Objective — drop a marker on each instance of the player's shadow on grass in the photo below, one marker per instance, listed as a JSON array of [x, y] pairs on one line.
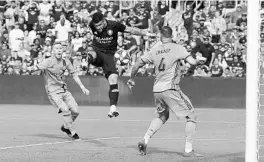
[[154, 150], [96, 142], [53, 136]]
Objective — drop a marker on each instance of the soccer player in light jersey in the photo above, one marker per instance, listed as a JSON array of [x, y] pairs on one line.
[[54, 69], [166, 58]]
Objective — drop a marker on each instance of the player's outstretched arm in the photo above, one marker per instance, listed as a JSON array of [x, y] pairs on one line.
[[76, 77], [79, 82], [131, 82], [140, 32], [193, 61]]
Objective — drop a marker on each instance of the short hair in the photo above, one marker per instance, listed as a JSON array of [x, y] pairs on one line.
[[57, 43], [166, 32], [97, 17]]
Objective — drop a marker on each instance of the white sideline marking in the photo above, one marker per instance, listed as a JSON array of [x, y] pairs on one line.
[[110, 138], [173, 121], [55, 143], [122, 120], [182, 139]]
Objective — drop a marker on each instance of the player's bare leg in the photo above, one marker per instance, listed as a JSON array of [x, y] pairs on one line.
[[67, 127], [190, 131], [155, 125], [113, 94]]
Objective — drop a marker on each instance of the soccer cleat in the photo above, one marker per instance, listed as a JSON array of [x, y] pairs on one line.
[[67, 131], [192, 154], [59, 111], [76, 137], [142, 148], [113, 112]]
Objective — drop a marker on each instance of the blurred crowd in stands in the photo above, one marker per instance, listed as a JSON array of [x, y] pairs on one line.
[[28, 28]]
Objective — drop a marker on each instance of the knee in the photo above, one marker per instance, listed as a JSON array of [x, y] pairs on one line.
[[64, 112], [164, 116], [75, 111], [112, 78], [191, 118]]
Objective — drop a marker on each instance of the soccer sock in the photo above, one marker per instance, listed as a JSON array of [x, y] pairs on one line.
[[68, 122], [155, 125], [113, 94], [190, 130]]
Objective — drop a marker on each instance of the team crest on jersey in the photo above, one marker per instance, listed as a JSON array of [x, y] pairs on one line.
[[110, 32]]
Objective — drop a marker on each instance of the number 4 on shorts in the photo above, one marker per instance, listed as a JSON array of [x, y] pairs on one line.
[[162, 65]]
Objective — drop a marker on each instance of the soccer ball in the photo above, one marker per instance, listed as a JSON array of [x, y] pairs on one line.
[[122, 57]]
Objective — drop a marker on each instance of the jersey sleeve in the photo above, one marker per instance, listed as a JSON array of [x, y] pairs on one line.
[[182, 53], [147, 57], [44, 64], [120, 27]]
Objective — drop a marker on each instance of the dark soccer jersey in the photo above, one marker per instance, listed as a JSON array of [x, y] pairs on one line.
[[106, 41]]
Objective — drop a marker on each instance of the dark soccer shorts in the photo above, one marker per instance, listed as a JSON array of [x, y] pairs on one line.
[[106, 61]]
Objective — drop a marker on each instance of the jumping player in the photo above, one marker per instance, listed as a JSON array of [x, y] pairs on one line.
[[166, 58], [54, 68], [104, 46]]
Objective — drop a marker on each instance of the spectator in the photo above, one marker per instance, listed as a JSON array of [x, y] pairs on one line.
[[32, 35], [15, 37], [218, 27], [174, 20], [227, 73], [234, 16], [83, 49], [109, 16], [33, 13], [44, 9], [22, 24], [113, 9], [58, 9], [5, 51], [241, 23], [42, 31], [188, 17], [77, 63], [229, 54], [145, 22], [47, 48], [216, 69], [182, 36], [236, 63], [62, 30], [221, 8], [132, 20], [163, 9], [211, 52], [199, 72], [23, 52], [77, 41], [10, 14], [222, 61]]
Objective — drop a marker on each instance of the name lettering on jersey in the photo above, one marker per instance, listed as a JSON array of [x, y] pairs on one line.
[[105, 40], [163, 51]]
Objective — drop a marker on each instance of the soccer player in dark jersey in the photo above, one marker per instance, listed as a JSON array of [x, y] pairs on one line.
[[104, 46]]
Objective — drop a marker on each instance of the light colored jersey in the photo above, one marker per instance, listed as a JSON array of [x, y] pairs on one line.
[[54, 73], [166, 59]]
